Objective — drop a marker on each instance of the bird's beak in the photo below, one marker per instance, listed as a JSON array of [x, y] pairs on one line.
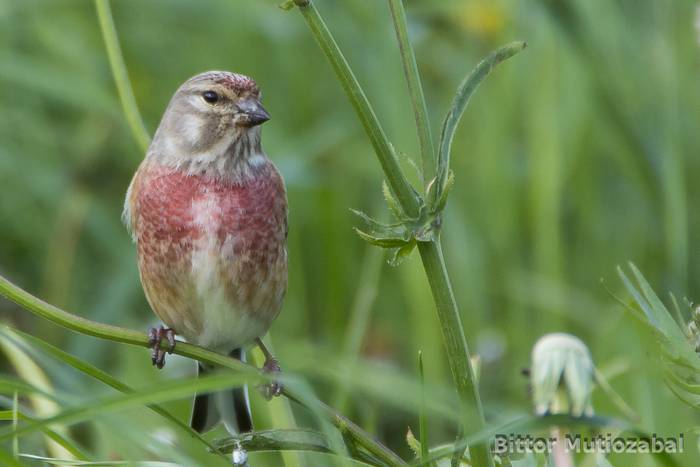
[[253, 112]]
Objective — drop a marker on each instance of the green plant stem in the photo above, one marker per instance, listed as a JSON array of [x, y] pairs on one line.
[[415, 90], [127, 336], [121, 77], [382, 147], [431, 254], [455, 345]]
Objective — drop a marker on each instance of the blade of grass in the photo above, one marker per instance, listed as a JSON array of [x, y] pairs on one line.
[[359, 314], [415, 90], [27, 369], [171, 391], [121, 77], [96, 373], [10, 385], [422, 422], [15, 422], [64, 442], [117, 334], [8, 460], [55, 461], [614, 397]]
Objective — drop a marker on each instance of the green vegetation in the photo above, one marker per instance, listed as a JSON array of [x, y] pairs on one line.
[[571, 159]]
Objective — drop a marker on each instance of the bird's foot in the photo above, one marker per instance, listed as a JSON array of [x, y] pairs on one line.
[[273, 388], [155, 336]]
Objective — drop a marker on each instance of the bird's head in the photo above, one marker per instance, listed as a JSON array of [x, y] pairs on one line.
[[213, 115]]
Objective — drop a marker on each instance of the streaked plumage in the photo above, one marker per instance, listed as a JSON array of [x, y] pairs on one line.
[[208, 212]]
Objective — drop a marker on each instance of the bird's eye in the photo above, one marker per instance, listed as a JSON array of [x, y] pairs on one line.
[[210, 96]]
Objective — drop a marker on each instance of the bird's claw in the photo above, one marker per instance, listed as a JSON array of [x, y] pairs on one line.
[[155, 336], [273, 388]]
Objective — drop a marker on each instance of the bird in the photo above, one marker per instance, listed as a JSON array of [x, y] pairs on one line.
[[207, 210]]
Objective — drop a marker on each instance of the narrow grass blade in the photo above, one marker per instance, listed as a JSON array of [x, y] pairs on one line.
[[8, 460], [68, 462], [422, 422], [360, 312], [172, 391], [27, 369], [96, 373], [65, 443], [15, 422]]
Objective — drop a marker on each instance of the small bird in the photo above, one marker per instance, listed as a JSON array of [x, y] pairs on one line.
[[207, 210]]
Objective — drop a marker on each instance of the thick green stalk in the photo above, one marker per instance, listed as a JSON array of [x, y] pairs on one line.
[[455, 345], [415, 90], [121, 78], [127, 336], [385, 151], [431, 254]]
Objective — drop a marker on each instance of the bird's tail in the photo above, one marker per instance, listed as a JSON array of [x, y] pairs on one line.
[[230, 406]]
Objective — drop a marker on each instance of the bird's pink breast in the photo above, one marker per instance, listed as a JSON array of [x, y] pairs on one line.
[[211, 252]]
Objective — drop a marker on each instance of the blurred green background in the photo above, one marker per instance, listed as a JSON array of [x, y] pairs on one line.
[[577, 155]]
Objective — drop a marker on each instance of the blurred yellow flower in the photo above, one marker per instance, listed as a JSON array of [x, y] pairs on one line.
[[482, 18]]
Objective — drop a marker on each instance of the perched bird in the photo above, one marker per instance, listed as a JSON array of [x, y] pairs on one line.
[[207, 210]]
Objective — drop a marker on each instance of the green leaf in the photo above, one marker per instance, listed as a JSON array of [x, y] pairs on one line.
[[287, 5], [675, 351], [384, 242], [414, 444], [399, 255], [391, 201], [445, 192], [676, 344], [69, 462], [65, 443], [461, 99], [8, 460], [173, 390], [375, 224]]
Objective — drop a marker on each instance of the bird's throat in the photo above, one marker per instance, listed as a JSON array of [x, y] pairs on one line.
[[234, 157]]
